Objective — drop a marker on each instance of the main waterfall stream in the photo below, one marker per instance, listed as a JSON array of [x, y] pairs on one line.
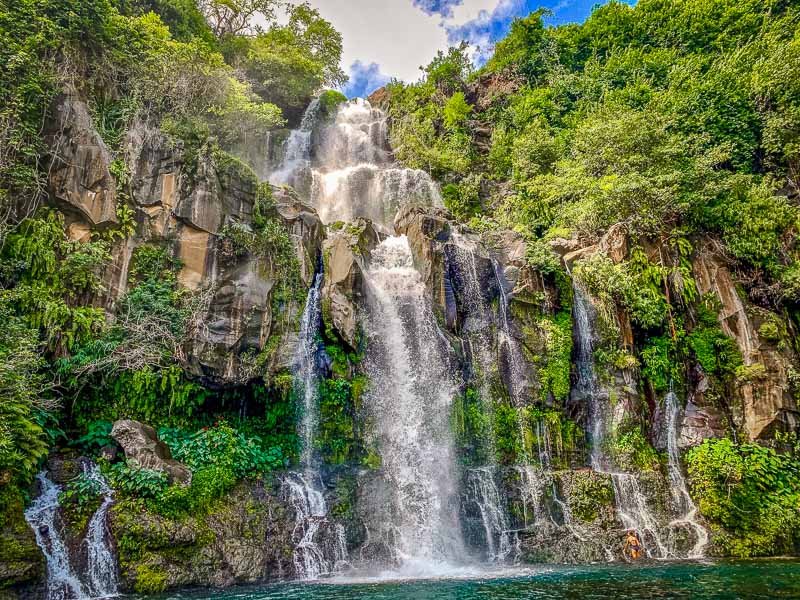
[[411, 391]]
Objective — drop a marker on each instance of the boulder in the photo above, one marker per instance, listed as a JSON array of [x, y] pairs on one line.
[[428, 230], [614, 243], [140, 443], [305, 228]]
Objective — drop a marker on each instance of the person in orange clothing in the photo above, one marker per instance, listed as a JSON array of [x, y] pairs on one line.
[[633, 547]]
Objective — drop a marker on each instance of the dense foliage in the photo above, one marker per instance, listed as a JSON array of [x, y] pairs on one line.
[[752, 492], [675, 120]]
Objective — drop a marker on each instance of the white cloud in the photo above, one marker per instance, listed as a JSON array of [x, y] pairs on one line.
[[392, 33], [395, 34]]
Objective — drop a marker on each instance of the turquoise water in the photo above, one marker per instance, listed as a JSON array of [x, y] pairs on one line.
[[754, 579]]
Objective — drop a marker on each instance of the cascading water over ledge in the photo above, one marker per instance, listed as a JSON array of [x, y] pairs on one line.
[[422, 512], [100, 579], [320, 548], [42, 515], [409, 399], [350, 172], [101, 564], [684, 505]]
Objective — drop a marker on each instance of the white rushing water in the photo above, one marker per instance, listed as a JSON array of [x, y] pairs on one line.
[[101, 565], [515, 362], [320, 546], [630, 501], [350, 173], [296, 163], [63, 583], [42, 516], [586, 385], [683, 501], [409, 400], [481, 489], [306, 373]]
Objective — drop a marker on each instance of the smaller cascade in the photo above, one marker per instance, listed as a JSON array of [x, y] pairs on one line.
[[307, 372], [586, 385], [101, 566], [516, 363], [313, 556], [634, 513], [683, 501], [481, 489], [42, 516], [533, 485], [631, 504], [296, 163]]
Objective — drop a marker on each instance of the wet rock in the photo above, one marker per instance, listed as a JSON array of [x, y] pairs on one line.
[[22, 564], [428, 229], [246, 540], [345, 253], [62, 469], [140, 443], [305, 227]]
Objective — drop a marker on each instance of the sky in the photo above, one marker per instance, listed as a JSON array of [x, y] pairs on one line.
[[386, 39]]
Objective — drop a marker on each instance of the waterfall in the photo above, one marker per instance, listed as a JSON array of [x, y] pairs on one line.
[[631, 504], [296, 163], [101, 565], [533, 483], [350, 172], [306, 373], [42, 516], [314, 554], [481, 489], [683, 501], [63, 583], [586, 385], [634, 513], [409, 399], [516, 363], [316, 551]]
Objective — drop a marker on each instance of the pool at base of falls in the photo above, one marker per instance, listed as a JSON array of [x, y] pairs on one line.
[[697, 580]]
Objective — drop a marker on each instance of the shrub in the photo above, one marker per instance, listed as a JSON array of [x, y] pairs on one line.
[[133, 480], [223, 447], [750, 494]]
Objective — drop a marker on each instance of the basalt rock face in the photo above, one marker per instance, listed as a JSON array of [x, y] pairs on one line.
[[185, 208], [245, 540], [80, 179], [346, 252], [764, 399]]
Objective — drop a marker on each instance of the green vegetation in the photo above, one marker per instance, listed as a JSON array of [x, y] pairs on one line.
[[630, 449], [650, 119], [749, 494], [555, 367], [589, 493]]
